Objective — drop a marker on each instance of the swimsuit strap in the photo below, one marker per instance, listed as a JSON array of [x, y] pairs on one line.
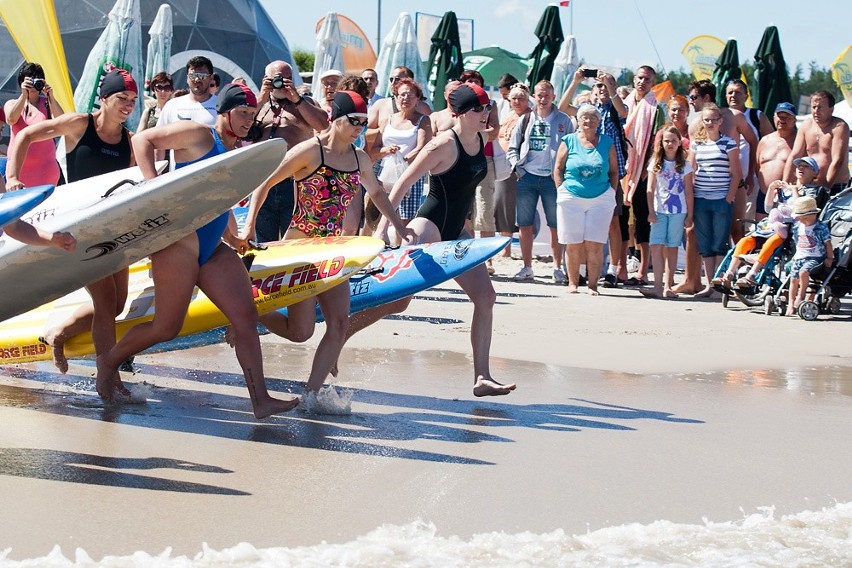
[[322, 155]]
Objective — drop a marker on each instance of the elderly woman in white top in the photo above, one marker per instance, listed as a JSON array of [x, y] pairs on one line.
[[585, 173]]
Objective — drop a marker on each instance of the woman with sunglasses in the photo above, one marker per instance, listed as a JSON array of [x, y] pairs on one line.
[[329, 171], [456, 161], [162, 87]]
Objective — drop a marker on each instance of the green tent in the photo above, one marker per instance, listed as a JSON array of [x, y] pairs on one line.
[[727, 68], [445, 59], [494, 62], [771, 82], [550, 37]]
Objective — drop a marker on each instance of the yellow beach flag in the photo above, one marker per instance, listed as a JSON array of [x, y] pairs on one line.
[[34, 27], [701, 52], [841, 71]]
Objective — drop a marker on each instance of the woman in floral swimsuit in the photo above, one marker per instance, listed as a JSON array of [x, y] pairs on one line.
[[329, 171]]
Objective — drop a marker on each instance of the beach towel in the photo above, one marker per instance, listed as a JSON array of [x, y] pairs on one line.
[[640, 123]]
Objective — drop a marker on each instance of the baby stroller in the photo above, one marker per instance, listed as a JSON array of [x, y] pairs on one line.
[[768, 280], [827, 285]]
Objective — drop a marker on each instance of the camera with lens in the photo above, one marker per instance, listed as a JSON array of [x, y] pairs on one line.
[[38, 83], [255, 132], [278, 82]]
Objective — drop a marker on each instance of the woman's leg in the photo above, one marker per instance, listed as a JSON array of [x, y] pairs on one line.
[[175, 273], [223, 279], [334, 304], [575, 253], [593, 252]]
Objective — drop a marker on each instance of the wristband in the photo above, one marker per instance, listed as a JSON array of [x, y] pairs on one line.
[[299, 101]]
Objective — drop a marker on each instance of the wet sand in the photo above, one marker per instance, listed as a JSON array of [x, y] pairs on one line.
[[627, 410]]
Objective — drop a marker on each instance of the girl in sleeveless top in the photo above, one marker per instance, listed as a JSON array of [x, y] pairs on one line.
[[457, 162], [329, 170], [183, 265], [85, 135]]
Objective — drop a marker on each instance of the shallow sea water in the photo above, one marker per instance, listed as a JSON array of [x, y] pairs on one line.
[[820, 537]]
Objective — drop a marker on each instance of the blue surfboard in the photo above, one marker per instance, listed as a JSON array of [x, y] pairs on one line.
[[394, 274], [405, 271], [14, 204]]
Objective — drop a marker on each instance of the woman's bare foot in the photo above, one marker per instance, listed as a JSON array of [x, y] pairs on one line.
[[57, 347], [669, 293], [683, 288], [270, 406], [490, 387], [572, 289], [651, 293], [593, 291], [705, 293], [108, 381]]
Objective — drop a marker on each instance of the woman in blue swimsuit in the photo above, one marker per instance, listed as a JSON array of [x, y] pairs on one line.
[[200, 259]]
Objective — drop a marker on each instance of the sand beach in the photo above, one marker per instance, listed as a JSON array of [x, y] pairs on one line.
[[671, 432]]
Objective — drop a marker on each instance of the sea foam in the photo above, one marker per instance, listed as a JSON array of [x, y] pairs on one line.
[[820, 538]]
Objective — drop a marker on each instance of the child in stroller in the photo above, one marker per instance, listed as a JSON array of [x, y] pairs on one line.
[[813, 249], [771, 232], [828, 284]]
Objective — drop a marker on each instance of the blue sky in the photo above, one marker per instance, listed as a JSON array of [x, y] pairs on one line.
[[608, 32]]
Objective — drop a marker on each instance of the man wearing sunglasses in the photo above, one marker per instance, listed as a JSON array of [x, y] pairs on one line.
[[199, 104]]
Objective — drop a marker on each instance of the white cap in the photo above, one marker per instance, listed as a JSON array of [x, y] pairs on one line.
[[331, 73]]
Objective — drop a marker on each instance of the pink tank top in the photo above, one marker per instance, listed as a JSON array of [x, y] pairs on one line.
[[39, 167]]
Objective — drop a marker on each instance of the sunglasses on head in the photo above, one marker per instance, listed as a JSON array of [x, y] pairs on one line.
[[480, 108], [354, 121]]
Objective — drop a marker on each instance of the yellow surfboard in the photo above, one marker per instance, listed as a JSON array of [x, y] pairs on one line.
[[283, 274]]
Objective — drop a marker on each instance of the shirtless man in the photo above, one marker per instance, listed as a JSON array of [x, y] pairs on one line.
[[443, 119], [283, 114], [734, 125], [826, 139], [773, 150]]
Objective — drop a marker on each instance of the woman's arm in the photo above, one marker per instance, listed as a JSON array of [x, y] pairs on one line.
[[72, 126], [28, 234], [613, 167], [559, 165], [380, 198], [736, 173], [688, 183], [424, 134]]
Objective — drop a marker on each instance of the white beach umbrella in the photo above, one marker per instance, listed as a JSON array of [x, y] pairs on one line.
[[329, 49], [399, 48], [565, 65], [160, 45], [119, 46]]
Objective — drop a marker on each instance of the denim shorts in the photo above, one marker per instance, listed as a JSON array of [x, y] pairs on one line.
[[668, 230], [530, 188], [808, 265], [712, 219], [274, 216]]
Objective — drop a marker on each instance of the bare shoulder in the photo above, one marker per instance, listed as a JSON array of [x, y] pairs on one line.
[[840, 127]]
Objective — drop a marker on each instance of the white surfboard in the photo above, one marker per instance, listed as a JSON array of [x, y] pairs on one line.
[[117, 226]]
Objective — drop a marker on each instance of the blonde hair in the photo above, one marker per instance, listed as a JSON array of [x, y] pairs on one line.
[[701, 133]]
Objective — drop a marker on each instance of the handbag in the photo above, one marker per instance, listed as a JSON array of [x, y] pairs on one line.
[[502, 167]]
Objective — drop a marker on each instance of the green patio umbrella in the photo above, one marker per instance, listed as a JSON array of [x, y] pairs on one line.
[[771, 81], [550, 37], [494, 62], [727, 68], [445, 59]]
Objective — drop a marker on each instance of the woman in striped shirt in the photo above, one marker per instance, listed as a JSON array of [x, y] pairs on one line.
[[715, 160]]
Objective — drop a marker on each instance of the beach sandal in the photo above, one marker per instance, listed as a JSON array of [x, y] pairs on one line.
[[724, 280], [746, 281], [634, 281]]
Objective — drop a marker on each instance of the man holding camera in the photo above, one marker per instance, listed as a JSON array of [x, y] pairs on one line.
[[36, 104], [283, 114]]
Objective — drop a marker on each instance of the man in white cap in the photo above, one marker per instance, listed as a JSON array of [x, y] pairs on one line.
[[328, 83]]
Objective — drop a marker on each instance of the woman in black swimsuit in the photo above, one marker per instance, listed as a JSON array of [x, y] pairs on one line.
[[457, 162]]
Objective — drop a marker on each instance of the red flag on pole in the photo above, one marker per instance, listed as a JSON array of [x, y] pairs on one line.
[[564, 3]]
